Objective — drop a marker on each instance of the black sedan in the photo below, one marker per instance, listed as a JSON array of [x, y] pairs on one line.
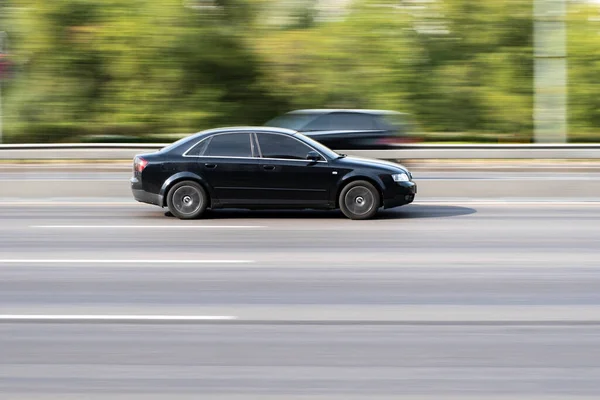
[[264, 167], [346, 129]]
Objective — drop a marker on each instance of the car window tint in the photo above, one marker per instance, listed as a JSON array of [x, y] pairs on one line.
[[229, 145], [294, 121], [353, 121], [281, 146], [322, 123], [343, 121], [179, 142], [199, 149]]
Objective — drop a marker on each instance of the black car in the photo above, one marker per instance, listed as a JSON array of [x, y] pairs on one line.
[[263, 167], [349, 129]]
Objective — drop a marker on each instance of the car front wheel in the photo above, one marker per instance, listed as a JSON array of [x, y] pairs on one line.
[[187, 200], [359, 200]]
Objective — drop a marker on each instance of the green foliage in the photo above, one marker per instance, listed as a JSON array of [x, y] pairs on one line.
[[137, 67], [140, 67], [584, 70]]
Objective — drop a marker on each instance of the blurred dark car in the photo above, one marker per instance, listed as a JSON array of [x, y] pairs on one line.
[[344, 129]]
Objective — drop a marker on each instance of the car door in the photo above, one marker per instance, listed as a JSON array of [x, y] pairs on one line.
[[345, 131], [288, 177], [227, 162]]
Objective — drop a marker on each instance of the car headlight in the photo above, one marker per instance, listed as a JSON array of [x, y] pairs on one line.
[[403, 177]]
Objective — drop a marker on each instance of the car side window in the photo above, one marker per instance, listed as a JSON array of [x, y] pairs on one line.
[[282, 146], [229, 145], [199, 148], [323, 123], [343, 122], [346, 121]]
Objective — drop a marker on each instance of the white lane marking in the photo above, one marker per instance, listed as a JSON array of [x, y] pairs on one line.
[[549, 202], [146, 226], [509, 178], [87, 317], [69, 203], [117, 261], [509, 202], [29, 180]]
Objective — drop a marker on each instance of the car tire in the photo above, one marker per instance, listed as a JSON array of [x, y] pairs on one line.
[[359, 200], [187, 200]]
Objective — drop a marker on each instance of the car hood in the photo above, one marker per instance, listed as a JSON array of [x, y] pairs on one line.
[[371, 163]]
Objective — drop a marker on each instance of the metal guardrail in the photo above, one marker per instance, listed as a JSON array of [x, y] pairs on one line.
[[117, 151]]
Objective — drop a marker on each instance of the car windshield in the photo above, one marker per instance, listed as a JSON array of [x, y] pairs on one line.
[[291, 121]]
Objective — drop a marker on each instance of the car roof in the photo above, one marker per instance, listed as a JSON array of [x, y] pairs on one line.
[[184, 141], [346, 110], [249, 128]]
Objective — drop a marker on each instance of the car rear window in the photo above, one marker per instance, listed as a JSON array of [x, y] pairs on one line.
[[199, 148], [177, 143]]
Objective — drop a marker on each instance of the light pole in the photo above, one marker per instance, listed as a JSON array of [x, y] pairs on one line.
[[3, 70], [550, 71]]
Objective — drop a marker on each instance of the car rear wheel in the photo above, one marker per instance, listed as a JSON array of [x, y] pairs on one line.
[[187, 200], [359, 200]]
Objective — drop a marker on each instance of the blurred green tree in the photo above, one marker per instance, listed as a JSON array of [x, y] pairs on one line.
[[464, 68]]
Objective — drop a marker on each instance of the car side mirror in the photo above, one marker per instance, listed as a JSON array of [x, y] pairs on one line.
[[313, 156]]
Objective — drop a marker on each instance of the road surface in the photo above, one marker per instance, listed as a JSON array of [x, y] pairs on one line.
[[471, 300], [45, 181]]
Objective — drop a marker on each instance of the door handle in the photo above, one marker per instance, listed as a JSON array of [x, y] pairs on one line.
[[210, 166], [269, 167]]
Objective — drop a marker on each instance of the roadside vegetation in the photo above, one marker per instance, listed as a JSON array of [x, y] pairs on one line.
[[147, 70]]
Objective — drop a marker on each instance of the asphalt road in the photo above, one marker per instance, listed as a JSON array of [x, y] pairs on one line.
[[83, 181], [430, 301]]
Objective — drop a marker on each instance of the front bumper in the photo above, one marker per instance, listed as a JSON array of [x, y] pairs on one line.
[[401, 193]]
